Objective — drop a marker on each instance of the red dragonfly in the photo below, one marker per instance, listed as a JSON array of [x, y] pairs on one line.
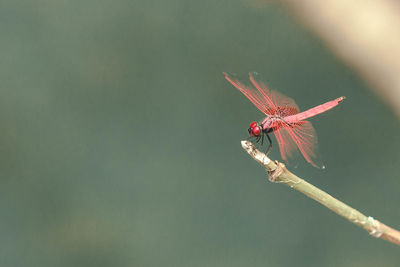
[[283, 118]]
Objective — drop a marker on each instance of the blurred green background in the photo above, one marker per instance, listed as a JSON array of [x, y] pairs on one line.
[[120, 139]]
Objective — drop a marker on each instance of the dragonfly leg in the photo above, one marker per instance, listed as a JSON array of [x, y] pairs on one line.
[[270, 144], [262, 139]]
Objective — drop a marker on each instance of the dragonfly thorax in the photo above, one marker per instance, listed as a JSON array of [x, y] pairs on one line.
[[270, 122]]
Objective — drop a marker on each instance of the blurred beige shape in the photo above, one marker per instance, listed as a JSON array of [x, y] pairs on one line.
[[363, 33]]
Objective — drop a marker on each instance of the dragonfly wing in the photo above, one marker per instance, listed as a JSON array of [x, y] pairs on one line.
[[261, 100], [287, 146], [278, 99], [301, 135]]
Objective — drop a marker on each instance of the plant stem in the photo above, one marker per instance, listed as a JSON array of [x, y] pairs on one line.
[[279, 174]]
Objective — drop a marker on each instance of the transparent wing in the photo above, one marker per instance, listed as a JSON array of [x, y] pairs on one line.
[[277, 98], [300, 135], [287, 146], [265, 100]]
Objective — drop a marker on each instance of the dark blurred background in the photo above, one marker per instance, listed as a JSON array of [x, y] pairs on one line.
[[120, 139]]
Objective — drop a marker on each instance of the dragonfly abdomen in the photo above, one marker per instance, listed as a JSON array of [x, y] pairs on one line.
[[314, 111]]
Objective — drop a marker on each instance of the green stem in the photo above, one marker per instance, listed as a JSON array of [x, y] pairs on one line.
[[279, 174]]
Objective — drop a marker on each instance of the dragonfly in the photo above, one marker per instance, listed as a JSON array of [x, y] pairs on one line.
[[292, 131]]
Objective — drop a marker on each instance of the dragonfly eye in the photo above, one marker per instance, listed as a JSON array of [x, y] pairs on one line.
[[256, 131], [253, 124]]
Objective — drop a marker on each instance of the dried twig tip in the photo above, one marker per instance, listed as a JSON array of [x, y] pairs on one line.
[[255, 153], [248, 146]]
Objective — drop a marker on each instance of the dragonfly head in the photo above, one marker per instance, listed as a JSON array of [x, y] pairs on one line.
[[254, 129]]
